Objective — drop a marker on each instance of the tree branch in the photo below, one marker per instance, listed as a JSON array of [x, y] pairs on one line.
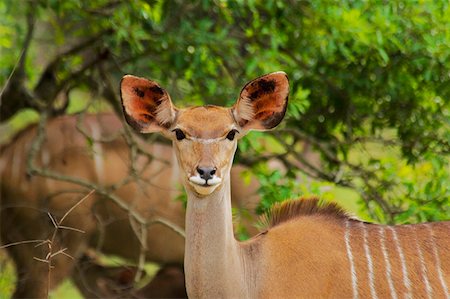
[[14, 95]]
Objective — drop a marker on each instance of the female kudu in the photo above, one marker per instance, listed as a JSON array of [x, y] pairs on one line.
[[310, 250]]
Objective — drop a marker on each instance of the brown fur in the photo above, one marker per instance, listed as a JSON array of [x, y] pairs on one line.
[[306, 257]]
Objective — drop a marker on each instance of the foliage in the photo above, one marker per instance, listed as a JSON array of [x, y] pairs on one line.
[[369, 82], [422, 189], [6, 280]]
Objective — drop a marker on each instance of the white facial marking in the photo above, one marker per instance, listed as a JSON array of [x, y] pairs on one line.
[[350, 258], [205, 141], [214, 181], [388, 263], [370, 273], [196, 179], [406, 280], [438, 262], [211, 140]]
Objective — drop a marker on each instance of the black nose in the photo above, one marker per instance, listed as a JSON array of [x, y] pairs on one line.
[[206, 173]]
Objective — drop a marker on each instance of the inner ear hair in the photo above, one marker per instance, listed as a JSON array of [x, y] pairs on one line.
[[166, 113], [262, 103], [243, 111], [147, 106]]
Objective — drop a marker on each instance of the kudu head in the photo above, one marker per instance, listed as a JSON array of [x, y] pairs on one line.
[[205, 137]]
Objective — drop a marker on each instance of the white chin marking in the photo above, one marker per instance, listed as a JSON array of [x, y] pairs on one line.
[[199, 184], [204, 190]]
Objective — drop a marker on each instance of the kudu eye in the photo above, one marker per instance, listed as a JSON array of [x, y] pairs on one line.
[[230, 135], [180, 135]]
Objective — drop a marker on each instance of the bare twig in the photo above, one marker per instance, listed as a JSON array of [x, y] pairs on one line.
[[51, 242], [21, 242], [169, 224], [52, 219], [142, 254], [71, 228], [74, 206]]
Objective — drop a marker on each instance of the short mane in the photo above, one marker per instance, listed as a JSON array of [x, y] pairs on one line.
[[304, 206]]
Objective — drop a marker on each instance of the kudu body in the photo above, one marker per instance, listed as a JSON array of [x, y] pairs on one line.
[[102, 159], [309, 250]]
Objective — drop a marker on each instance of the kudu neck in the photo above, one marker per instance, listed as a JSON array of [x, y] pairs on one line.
[[211, 215], [212, 256]]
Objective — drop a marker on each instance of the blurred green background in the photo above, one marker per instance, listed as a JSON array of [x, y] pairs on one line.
[[368, 123]]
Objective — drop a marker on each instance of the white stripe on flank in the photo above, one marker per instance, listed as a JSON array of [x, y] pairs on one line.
[[350, 258], [387, 262], [98, 152], [438, 262], [369, 262], [406, 280], [422, 265]]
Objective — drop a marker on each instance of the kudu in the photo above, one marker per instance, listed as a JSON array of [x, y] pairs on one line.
[[91, 150], [310, 249]]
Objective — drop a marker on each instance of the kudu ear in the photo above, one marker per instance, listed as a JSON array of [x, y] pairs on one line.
[[262, 103], [146, 106]]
